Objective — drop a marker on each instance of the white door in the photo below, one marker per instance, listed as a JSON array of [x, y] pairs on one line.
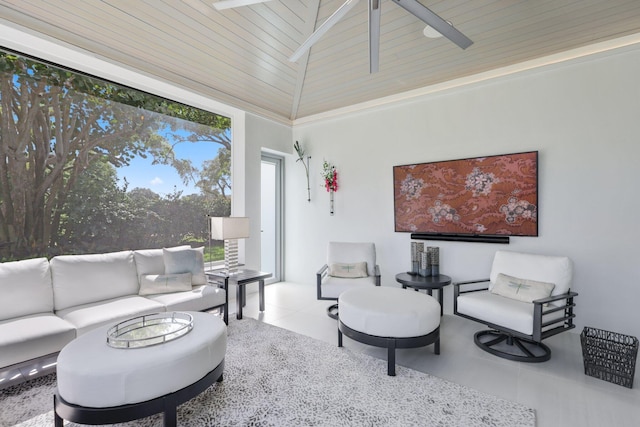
[[271, 216]]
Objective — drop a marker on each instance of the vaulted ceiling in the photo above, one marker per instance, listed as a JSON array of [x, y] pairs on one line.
[[240, 56]]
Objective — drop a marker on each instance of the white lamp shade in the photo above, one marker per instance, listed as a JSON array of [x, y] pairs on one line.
[[227, 227]]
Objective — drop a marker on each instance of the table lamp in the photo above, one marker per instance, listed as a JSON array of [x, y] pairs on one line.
[[230, 229]]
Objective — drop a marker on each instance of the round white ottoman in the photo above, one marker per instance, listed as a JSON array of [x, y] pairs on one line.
[[99, 384], [389, 317]]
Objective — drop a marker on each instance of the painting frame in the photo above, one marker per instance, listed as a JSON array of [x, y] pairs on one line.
[[494, 195]]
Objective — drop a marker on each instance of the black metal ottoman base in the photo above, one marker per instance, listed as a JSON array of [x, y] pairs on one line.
[[167, 404], [390, 343]]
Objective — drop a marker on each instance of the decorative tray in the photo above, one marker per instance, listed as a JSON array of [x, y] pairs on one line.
[[150, 329]]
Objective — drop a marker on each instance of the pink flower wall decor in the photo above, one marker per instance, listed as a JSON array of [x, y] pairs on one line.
[[330, 175]]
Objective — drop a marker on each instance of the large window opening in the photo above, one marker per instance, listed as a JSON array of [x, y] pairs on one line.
[[89, 166]]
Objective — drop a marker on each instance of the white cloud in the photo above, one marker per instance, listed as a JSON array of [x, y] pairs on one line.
[[156, 181]]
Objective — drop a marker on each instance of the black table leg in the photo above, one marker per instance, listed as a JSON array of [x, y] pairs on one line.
[[244, 296], [440, 300], [261, 293], [239, 302]]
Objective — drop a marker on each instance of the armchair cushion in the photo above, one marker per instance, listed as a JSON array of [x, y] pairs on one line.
[[543, 268], [348, 270], [505, 312], [332, 287], [521, 289], [348, 252]]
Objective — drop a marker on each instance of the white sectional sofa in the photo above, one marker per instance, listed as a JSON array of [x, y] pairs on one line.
[[46, 304]]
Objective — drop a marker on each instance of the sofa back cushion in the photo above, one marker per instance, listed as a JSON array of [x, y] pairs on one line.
[[83, 279], [25, 288], [151, 261]]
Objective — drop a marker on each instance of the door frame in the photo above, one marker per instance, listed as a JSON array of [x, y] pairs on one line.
[[278, 161]]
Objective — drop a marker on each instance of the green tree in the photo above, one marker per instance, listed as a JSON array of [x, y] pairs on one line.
[[50, 134], [98, 212], [56, 125], [215, 177]]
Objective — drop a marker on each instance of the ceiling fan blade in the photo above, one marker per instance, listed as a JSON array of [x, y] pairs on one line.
[[443, 27], [228, 4], [374, 36], [322, 29]]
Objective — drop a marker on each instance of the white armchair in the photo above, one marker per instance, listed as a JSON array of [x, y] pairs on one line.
[[345, 270], [526, 299]]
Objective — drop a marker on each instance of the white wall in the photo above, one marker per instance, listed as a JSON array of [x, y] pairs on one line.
[[260, 134], [582, 116]]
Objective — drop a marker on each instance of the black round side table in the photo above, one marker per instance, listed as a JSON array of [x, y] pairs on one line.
[[428, 283]]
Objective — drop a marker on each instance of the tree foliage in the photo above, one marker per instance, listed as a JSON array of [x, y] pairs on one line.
[[62, 134]]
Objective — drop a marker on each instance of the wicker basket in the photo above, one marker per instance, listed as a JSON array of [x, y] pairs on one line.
[[609, 356]]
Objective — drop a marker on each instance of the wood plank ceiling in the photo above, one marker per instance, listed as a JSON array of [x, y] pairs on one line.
[[240, 56]]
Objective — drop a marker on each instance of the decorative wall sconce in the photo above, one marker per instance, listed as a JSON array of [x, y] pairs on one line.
[[330, 175], [301, 158]]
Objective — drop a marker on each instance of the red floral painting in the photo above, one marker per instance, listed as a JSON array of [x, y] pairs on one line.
[[495, 195]]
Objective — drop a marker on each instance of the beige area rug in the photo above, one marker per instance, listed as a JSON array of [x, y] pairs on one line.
[[274, 377]]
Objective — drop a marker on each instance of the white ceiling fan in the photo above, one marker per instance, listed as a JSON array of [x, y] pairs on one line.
[[412, 6]]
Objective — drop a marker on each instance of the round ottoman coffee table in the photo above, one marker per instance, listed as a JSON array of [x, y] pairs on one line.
[[100, 384], [389, 317]]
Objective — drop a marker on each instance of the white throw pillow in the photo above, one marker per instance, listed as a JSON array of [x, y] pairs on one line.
[[521, 289], [352, 270], [190, 260], [151, 261], [151, 284]]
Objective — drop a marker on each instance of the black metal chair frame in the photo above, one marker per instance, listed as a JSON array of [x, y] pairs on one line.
[[167, 404], [531, 347], [332, 310], [390, 343]]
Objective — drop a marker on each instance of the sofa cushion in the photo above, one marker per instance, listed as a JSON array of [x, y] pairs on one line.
[[83, 279], [28, 337], [164, 283], [198, 299], [25, 287], [89, 316], [189, 260], [151, 261]]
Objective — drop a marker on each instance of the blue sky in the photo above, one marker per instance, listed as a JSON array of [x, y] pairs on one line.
[[163, 179]]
